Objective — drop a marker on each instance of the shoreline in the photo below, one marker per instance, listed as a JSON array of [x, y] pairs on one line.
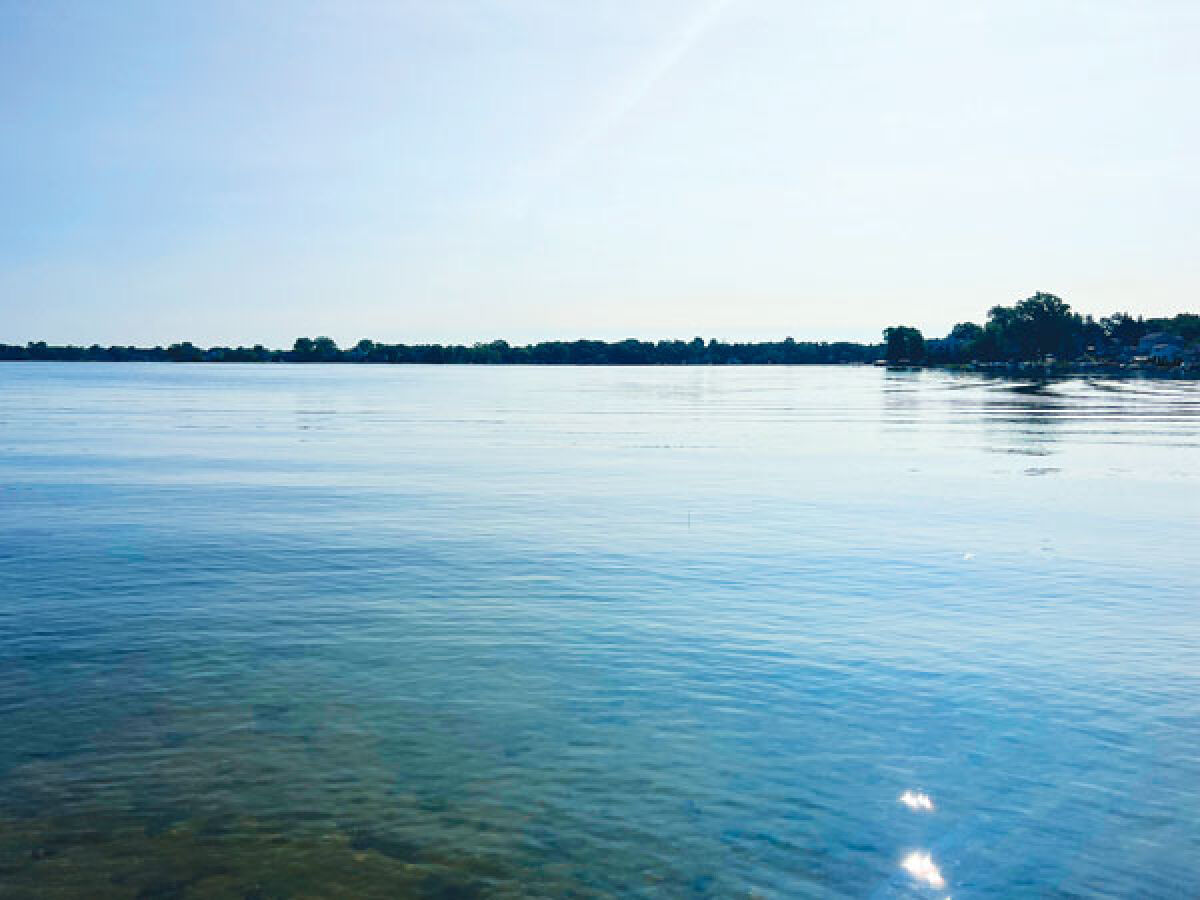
[[999, 369]]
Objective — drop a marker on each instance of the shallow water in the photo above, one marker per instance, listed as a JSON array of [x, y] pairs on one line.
[[273, 631]]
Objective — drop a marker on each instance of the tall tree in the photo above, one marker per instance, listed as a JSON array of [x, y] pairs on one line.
[[904, 344]]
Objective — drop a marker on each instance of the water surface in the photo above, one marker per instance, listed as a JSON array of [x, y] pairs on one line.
[[272, 631]]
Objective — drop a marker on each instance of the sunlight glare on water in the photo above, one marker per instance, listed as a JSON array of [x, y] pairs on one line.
[[921, 867], [917, 801]]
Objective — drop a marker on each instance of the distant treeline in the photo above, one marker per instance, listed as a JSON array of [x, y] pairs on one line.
[[1039, 329], [1043, 327], [586, 353]]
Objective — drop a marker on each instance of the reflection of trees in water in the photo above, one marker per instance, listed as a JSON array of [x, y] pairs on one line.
[[903, 392], [1014, 417], [1034, 416], [1030, 417], [1024, 418]]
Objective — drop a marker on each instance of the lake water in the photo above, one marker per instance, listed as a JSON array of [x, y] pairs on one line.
[[273, 631]]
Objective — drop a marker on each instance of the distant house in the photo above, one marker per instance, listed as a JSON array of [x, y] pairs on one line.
[[1161, 347]]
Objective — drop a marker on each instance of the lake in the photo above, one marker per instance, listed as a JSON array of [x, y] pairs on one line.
[[272, 631]]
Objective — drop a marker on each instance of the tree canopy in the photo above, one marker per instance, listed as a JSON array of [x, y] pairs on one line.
[[1036, 328], [904, 344]]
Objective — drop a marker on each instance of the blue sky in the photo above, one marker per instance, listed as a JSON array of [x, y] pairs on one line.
[[459, 171]]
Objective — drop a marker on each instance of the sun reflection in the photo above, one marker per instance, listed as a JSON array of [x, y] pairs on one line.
[[915, 800], [921, 867]]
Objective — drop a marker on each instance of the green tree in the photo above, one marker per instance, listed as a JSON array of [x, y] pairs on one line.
[[967, 332], [904, 344], [1123, 329], [185, 352], [1036, 327], [325, 349]]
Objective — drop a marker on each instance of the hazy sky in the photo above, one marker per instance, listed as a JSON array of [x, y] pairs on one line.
[[240, 172]]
